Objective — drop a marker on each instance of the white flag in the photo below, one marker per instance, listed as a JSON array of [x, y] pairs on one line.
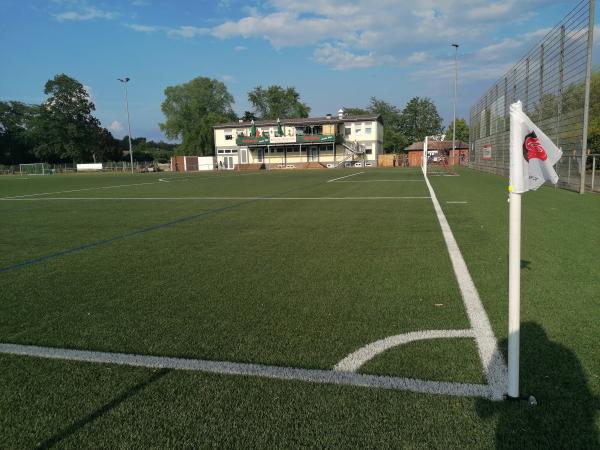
[[532, 153]]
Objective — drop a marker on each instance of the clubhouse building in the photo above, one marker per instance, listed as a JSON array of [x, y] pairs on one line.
[[313, 142]]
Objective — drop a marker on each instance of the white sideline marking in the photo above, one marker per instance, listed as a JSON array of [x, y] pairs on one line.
[[493, 361], [375, 181], [212, 198], [357, 359], [340, 178], [83, 189], [457, 203], [256, 370]]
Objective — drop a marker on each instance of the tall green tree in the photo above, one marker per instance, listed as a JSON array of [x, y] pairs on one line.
[[16, 141], [275, 102], [394, 140], [420, 118], [65, 127], [192, 109], [462, 130]]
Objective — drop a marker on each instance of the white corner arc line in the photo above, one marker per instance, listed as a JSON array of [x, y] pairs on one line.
[[494, 366], [256, 370], [357, 359], [347, 176]]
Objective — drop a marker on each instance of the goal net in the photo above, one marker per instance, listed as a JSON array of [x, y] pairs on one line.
[[35, 169]]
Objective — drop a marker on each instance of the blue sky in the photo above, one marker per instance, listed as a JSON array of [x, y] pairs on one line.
[[336, 53]]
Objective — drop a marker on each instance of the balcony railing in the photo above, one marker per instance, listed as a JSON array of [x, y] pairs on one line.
[[297, 139]]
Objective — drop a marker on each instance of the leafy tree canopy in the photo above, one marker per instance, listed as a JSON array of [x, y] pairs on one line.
[[276, 102], [65, 127], [462, 130], [420, 118], [192, 109]]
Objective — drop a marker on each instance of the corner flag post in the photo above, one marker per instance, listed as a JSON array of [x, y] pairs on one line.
[[514, 255], [532, 157]]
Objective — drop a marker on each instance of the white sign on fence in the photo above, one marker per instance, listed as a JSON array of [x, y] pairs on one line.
[[89, 166]]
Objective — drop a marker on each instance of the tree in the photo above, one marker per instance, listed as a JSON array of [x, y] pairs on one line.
[[355, 111], [393, 137], [275, 102], [15, 136], [420, 118], [462, 131], [192, 109], [249, 116], [65, 128]]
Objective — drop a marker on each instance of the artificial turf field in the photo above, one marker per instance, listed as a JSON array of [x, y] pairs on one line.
[[289, 269]]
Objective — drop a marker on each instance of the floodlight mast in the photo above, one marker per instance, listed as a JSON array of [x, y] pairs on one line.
[[125, 81], [455, 86]]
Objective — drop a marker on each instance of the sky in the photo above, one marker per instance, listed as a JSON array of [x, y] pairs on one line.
[[336, 53]]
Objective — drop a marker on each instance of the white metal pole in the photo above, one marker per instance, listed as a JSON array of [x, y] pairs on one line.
[[514, 253], [425, 151], [129, 127], [514, 294], [455, 88]]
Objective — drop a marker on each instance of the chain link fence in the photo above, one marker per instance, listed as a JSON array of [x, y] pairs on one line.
[[552, 82]]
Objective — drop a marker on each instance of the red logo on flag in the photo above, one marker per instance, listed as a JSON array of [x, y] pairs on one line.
[[532, 148]]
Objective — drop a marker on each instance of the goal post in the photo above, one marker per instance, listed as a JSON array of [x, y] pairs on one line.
[[35, 169]]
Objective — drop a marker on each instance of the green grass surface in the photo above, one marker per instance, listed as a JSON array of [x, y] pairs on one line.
[[297, 283]]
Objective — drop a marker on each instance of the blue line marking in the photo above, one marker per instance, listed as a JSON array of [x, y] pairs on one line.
[[83, 247]]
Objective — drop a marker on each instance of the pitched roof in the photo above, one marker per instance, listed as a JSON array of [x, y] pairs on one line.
[[437, 145], [302, 121]]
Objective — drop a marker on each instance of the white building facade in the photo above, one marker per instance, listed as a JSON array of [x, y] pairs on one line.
[[330, 141]]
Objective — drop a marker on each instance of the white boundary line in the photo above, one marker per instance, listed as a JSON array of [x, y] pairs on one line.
[[340, 178], [256, 370], [17, 197], [356, 360], [493, 361], [457, 203], [212, 198], [375, 181]]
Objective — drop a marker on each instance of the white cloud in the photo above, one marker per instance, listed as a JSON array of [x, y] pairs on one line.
[[116, 127], [143, 28], [88, 13], [240, 48], [342, 59], [229, 79], [188, 32], [282, 29], [351, 34], [416, 58]]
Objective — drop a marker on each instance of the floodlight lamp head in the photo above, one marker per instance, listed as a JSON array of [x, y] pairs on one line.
[[455, 45]]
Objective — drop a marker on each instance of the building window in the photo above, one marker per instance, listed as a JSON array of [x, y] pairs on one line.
[[228, 135], [369, 151], [347, 131], [358, 129], [367, 130]]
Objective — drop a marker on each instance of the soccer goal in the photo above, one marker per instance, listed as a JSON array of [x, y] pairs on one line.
[[35, 169], [427, 153]]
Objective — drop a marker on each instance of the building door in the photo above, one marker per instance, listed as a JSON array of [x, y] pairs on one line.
[[314, 153], [228, 162], [261, 155], [244, 156]]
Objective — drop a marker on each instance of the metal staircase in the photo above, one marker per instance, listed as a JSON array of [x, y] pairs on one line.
[[353, 150]]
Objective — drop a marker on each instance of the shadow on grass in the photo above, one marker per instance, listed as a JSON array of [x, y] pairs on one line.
[[565, 414], [76, 426]]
